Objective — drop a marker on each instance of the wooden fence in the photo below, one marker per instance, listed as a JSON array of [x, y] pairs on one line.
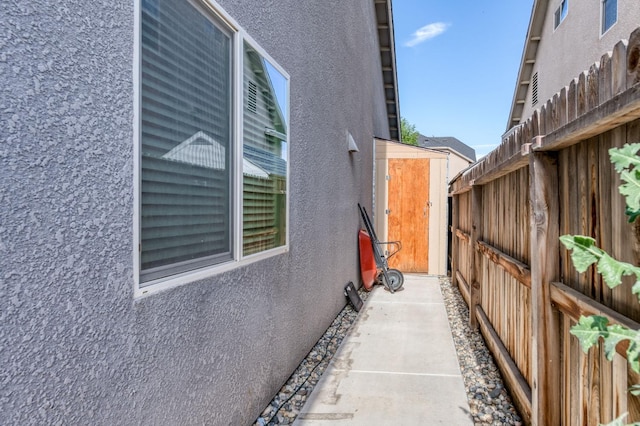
[[552, 176]]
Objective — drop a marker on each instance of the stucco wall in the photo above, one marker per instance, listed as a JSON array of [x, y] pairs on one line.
[[571, 48], [75, 346]]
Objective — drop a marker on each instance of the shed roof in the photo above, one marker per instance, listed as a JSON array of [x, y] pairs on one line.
[[448, 142]]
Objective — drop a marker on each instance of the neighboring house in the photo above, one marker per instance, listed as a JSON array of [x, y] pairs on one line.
[[460, 157], [179, 199], [565, 37]]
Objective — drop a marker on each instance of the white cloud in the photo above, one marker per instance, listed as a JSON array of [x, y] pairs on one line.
[[427, 32]]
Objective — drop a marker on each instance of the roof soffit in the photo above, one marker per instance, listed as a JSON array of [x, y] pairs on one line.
[[386, 41], [527, 61]]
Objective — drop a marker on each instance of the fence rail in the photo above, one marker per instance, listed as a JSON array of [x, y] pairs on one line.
[[552, 176]]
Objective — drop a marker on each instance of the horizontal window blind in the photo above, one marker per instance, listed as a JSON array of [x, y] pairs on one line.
[[186, 88]]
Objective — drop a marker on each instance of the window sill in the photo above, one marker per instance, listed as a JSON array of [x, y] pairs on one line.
[[167, 283]]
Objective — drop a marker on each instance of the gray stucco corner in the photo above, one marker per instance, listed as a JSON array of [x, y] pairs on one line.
[[76, 346]]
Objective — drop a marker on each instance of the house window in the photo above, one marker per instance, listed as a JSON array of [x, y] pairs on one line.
[[561, 13], [534, 89], [190, 124], [609, 14]]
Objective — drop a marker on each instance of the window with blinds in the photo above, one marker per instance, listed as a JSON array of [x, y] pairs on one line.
[[186, 102], [188, 217]]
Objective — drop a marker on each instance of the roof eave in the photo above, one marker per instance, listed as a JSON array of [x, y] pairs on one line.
[[386, 43], [527, 61]]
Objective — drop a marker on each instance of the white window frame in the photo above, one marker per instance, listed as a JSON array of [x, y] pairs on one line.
[[239, 36], [602, 18], [558, 17]]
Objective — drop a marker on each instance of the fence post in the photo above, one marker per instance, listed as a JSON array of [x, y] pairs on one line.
[[544, 211], [475, 286], [455, 246]]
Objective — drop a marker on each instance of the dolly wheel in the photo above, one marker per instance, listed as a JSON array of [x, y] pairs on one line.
[[396, 279]]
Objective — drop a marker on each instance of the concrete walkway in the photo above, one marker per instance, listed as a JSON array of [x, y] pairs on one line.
[[397, 366]]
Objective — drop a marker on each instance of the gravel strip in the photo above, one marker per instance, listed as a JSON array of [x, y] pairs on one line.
[[488, 398], [286, 405], [489, 401]]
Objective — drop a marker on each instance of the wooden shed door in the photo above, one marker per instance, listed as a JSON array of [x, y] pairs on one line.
[[408, 213]]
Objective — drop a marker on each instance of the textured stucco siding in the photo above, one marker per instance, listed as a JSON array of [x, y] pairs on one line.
[[576, 44], [75, 346]]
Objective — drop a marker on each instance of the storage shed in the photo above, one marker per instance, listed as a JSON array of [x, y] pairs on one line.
[[411, 205]]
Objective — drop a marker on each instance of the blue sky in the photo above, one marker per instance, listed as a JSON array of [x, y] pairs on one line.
[[457, 63]]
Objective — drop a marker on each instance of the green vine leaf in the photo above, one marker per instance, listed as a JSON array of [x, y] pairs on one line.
[[633, 214], [631, 188], [633, 355], [584, 252], [625, 157], [611, 270], [627, 162], [617, 422], [589, 330], [616, 334], [635, 389]]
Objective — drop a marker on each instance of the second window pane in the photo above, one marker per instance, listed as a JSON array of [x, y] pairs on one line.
[[264, 154]]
